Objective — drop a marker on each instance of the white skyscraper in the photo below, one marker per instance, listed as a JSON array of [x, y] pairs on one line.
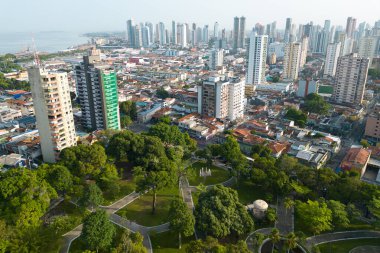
[[332, 54], [146, 40], [54, 114], [216, 30], [161, 33], [257, 55], [236, 89], [216, 58], [183, 34], [304, 48], [292, 60], [221, 98], [369, 47], [350, 79], [174, 33]]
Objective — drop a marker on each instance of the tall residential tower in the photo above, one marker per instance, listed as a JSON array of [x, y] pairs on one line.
[[97, 93], [54, 114]]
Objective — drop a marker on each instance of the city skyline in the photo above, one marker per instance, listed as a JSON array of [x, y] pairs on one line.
[[67, 19]]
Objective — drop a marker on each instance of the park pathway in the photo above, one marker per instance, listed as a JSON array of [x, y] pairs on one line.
[[116, 206], [186, 191], [340, 236], [285, 217], [70, 236]]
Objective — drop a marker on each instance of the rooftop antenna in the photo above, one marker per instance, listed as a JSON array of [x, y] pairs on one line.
[[35, 54]]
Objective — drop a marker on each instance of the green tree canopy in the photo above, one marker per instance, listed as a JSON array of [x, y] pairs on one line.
[[181, 218], [219, 213], [297, 116], [86, 161], [315, 103], [92, 196], [24, 197], [98, 232], [162, 93], [339, 213], [315, 216], [58, 176]]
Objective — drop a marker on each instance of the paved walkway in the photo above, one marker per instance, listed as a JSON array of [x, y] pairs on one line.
[[249, 240], [70, 236], [340, 236], [285, 217], [186, 191], [113, 208]]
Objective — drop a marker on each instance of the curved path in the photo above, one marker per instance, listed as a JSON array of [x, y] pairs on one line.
[[340, 236]]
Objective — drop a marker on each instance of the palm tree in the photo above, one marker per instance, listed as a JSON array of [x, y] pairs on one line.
[[275, 237], [291, 241], [289, 203]]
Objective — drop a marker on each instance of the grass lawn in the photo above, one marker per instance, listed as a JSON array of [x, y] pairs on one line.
[[54, 239], [167, 242], [248, 192], [126, 187], [354, 225], [79, 245], [218, 175], [346, 246], [357, 225], [140, 210]]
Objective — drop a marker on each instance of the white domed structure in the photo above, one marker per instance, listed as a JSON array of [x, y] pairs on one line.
[[259, 208]]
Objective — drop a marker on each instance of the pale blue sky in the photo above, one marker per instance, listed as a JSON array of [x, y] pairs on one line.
[[107, 15]]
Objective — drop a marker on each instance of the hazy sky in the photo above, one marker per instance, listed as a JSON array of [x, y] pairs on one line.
[[110, 15]]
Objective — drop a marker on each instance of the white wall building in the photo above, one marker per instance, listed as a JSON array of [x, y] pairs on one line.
[[216, 58], [257, 55], [236, 89], [369, 47], [292, 60], [350, 79], [278, 48], [54, 114], [332, 54]]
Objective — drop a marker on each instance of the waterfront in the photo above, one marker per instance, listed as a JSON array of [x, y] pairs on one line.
[[52, 41]]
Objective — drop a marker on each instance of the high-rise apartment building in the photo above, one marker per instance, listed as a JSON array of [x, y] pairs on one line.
[[292, 60], [372, 127], [257, 55], [221, 98], [350, 27], [131, 33], [216, 58], [288, 28], [235, 38], [369, 47], [304, 49], [332, 54], [53, 111], [350, 79], [216, 30], [213, 97], [138, 37], [236, 89], [161, 33], [174, 33], [97, 93], [145, 35], [242, 32]]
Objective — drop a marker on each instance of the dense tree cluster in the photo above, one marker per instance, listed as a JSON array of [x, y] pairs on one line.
[[128, 113], [219, 213], [210, 244], [314, 103], [13, 84], [297, 116]]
